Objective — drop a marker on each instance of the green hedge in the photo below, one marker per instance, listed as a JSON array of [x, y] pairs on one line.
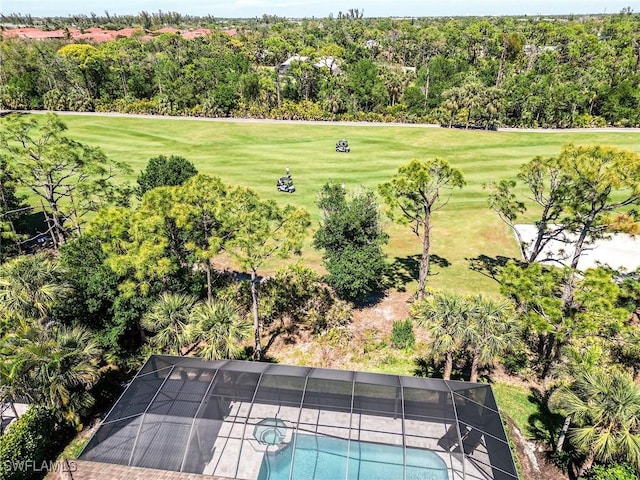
[[612, 472], [30, 445]]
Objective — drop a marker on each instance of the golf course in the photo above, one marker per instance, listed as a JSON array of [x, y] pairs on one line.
[[255, 154], [402, 242]]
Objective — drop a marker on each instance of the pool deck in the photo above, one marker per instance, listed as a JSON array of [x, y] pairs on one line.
[[237, 454]]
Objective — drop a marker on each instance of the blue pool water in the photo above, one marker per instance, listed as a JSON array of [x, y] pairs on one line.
[[325, 458]]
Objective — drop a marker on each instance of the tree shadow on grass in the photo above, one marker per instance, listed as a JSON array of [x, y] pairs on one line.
[[428, 367], [489, 266], [404, 270], [438, 261], [544, 425]]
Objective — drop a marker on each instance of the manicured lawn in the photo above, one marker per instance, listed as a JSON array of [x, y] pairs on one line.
[[256, 154]]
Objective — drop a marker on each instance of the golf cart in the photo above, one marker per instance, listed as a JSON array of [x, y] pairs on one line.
[[285, 184], [342, 146]]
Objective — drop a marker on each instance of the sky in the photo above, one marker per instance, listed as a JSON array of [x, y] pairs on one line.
[[316, 8]]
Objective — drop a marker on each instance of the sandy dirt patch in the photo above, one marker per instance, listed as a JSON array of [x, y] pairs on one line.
[[620, 251]]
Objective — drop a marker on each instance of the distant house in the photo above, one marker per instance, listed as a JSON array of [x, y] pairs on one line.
[[324, 62], [371, 44], [530, 49], [200, 32], [329, 62], [285, 66], [31, 33], [99, 35]]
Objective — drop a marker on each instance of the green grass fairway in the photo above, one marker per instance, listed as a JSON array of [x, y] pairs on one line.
[[256, 154]]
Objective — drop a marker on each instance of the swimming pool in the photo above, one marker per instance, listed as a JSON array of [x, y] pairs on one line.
[[325, 458]]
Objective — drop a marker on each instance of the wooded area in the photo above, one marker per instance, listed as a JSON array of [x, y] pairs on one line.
[[472, 72]]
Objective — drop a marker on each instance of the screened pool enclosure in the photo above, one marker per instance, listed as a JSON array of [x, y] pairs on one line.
[[261, 421]]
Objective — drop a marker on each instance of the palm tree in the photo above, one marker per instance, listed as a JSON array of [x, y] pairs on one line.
[[9, 390], [444, 316], [220, 328], [52, 367], [168, 318], [31, 285], [333, 101], [69, 367], [394, 83], [453, 102], [471, 93], [491, 330], [605, 409], [576, 359]]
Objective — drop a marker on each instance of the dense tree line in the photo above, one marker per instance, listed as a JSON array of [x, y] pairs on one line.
[[527, 72], [147, 20]]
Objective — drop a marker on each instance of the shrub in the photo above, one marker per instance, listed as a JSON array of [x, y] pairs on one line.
[[252, 110], [72, 100], [336, 316], [304, 110], [371, 341], [356, 272], [295, 297], [29, 444], [614, 471], [54, 99], [589, 121], [516, 361], [351, 235], [402, 335], [162, 172], [128, 105], [79, 101], [12, 97]]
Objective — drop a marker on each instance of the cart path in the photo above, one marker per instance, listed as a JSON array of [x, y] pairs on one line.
[[332, 123]]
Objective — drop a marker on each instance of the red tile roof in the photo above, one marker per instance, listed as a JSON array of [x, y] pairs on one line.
[[33, 33], [201, 32], [167, 30], [128, 32], [97, 34]]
